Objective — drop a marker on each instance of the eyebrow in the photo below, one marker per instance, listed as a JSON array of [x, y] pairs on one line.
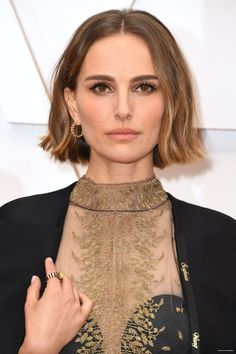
[[112, 79]]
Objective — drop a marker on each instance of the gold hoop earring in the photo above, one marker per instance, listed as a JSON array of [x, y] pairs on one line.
[[73, 128]]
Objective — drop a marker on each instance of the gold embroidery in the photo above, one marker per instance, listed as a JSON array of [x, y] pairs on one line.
[[177, 282], [138, 334], [110, 280], [140, 331], [184, 267], [90, 337], [142, 195], [120, 254], [180, 335], [196, 339], [179, 309]]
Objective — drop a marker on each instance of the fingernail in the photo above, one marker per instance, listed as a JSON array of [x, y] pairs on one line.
[[50, 259], [33, 278]]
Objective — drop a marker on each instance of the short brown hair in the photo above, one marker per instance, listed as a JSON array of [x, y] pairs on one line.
[[179, 140]]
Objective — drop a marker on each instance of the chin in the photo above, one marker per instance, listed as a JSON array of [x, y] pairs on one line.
[[125, 158]]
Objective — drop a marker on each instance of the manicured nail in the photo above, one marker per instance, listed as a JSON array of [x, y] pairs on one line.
[[50, 259], [33, 278]]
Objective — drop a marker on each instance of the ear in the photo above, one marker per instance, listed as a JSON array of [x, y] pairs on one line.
[[69, 97]]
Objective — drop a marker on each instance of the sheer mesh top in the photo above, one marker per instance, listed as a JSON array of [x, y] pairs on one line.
[[118, 247]]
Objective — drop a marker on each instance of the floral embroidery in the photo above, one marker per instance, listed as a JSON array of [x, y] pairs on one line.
[[118, 250], [91, 338], [113, 277], [140, 331]]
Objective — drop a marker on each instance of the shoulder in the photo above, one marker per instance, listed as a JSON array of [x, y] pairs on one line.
[[38, 208], [190, 215]]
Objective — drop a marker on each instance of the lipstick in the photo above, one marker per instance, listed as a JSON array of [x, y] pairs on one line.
[[123, 133]]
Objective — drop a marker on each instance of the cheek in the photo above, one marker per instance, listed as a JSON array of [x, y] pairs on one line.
[[152, 114], [92, 112]]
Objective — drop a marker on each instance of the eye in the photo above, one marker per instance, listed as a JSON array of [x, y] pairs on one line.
[[100, 88], [146, 87]]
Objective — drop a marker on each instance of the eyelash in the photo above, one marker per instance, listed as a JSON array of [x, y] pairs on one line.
[[102, 83]]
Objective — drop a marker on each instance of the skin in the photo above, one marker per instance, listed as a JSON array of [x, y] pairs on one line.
[[53, 320], [118, 104]]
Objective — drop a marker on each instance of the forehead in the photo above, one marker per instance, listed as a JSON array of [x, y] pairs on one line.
[[119, 55]]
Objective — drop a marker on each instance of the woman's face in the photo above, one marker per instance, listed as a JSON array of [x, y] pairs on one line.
[[118, 99]]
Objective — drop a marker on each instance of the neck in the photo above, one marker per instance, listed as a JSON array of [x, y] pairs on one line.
[[103, 171]]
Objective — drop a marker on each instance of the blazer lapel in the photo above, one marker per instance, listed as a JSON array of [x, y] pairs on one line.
[[185, 274]]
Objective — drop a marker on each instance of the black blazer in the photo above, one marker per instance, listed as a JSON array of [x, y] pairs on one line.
[[31, 229]]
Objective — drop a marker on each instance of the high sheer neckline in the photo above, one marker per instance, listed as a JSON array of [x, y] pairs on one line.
[[118, 248], [129, 196]]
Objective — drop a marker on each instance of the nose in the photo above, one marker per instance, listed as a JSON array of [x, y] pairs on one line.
[[123, 109]]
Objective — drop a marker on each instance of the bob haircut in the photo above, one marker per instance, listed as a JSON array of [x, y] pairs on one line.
[[179, 139]]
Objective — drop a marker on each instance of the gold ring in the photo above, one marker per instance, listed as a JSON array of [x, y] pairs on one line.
[[58, 275]]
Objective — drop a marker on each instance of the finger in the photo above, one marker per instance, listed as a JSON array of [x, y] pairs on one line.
[[50, 268], [67, 285], [76, 293], [33, 291], [86, 303], [49, 265]]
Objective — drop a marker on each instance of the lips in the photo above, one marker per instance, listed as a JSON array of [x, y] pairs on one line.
[[125, 131], [123, 134]]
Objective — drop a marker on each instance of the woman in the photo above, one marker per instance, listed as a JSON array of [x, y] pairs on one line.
[[141, 268]]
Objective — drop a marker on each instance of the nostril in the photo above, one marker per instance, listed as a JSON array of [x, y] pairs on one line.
[[123, 116]]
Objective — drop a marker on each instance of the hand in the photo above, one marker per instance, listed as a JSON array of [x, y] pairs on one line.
[[53, 320]]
